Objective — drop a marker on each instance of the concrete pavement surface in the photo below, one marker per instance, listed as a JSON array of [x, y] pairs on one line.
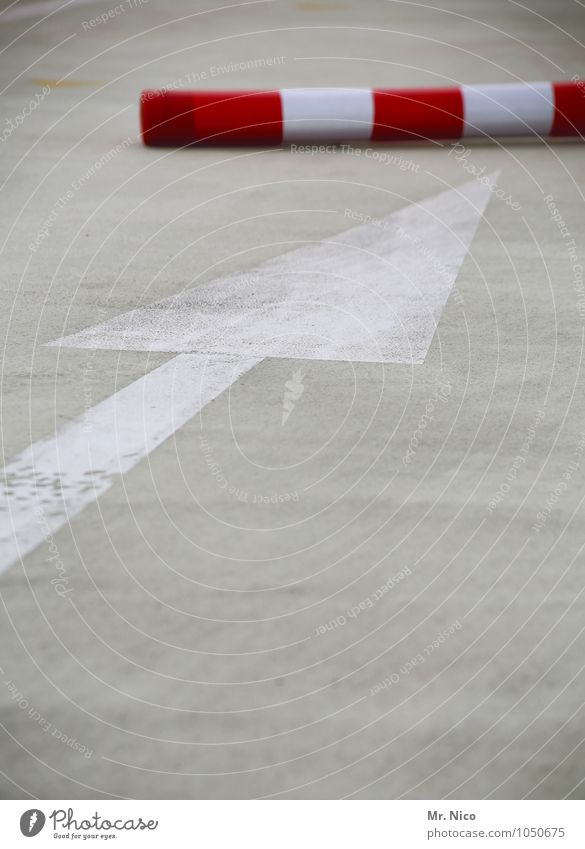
[[336, 575]]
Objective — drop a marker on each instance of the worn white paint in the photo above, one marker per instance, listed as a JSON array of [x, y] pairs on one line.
[[50, 483], [374, 293]]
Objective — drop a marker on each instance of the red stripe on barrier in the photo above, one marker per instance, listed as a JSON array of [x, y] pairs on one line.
[[236, 117], [411, 114], [166, 117], [569, 117], [211, 117]]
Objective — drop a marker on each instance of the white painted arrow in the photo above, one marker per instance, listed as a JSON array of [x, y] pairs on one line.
[[374, 293]]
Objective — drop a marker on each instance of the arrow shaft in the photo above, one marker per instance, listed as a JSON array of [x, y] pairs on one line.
[[53, 480]]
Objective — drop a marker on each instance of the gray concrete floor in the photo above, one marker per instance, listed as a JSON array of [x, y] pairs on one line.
[[186, 660]]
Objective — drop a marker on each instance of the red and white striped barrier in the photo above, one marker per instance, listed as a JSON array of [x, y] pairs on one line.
[[177, 118]]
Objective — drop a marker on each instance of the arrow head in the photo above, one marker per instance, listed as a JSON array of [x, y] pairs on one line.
[[373, 293]]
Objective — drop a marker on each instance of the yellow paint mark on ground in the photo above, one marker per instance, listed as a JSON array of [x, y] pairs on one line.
[[65, 83]]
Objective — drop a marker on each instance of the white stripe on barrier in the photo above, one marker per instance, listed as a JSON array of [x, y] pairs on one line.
[[331, 114], [506, 110]]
